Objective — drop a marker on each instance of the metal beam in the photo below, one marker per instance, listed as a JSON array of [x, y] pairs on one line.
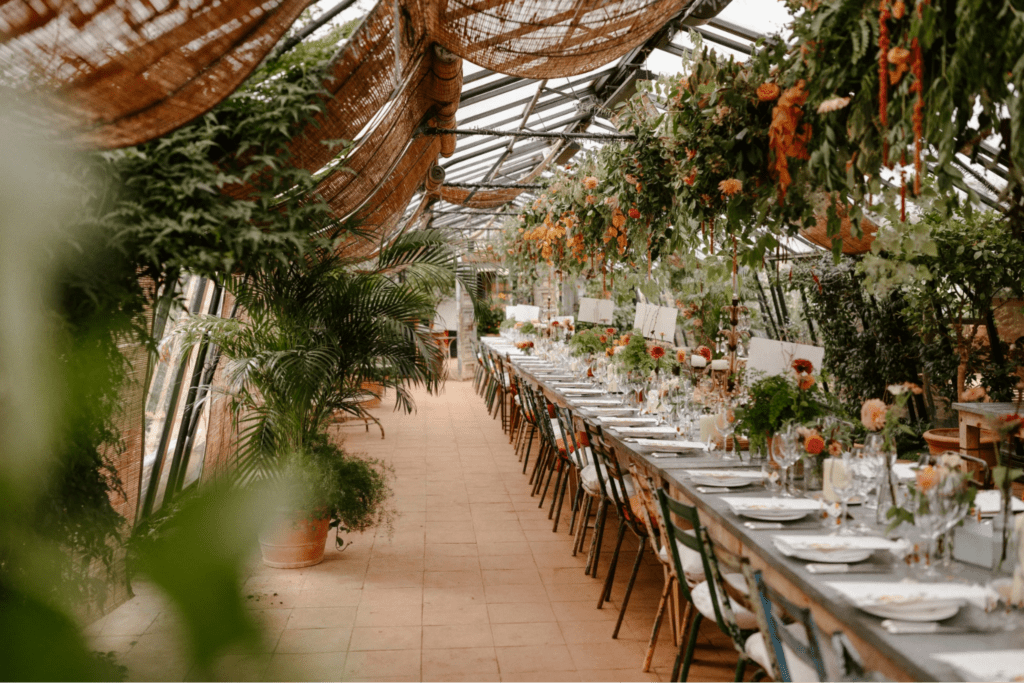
[[554, 135]]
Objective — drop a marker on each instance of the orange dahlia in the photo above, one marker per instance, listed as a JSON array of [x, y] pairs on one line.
[[657, 352], [704, 351], [767, 92], [806, 382], [610, 330], [634, 213], [814, 444]]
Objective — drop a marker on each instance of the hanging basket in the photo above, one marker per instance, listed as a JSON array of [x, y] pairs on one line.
[[818, 234]]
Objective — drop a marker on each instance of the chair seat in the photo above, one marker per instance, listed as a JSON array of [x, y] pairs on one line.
[[701, 594], [799, 671], [582, 457], [588, 477], [693, 565], [556, 428]]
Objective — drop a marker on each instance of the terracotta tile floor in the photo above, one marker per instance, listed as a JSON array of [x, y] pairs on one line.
[[473, 585]]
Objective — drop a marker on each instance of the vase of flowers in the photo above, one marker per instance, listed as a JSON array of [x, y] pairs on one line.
[[1009, 429]]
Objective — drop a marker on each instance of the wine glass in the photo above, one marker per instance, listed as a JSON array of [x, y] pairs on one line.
[[787, 454], [842, 480], [866, 468], [726, 423]]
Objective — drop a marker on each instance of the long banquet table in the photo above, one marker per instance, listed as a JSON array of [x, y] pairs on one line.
[[898, 657]]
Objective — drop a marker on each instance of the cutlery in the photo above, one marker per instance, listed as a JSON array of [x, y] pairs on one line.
[[842, 568], [713, 489], [899, 628], [759, 526]]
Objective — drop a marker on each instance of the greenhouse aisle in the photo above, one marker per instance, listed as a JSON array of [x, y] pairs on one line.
[[473, 584]]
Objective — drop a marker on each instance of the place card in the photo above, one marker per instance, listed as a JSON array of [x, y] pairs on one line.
[[986, 665], [991, 502]]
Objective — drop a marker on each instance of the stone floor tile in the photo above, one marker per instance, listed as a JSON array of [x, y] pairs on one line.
[[457, 636], [534, 658], [386, 638], [460, 664], [308, 640]]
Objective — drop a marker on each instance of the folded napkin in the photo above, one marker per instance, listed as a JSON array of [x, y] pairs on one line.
[[827, 543], [750, 503], [671, 445], [727, 474], [598, 401], [652, 430], [579, 392], [900, 592], [637, 420], [986, 665]]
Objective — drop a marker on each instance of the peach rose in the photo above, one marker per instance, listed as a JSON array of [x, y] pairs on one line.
[[872, 414], [590, 182]]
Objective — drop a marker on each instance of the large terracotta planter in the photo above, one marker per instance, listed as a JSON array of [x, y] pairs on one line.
[[941, 440], [296, 541]]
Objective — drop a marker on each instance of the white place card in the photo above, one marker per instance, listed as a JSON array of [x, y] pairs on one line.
[[986, 665], [773, 357], [656, 322], [990, 502], [596, 310]]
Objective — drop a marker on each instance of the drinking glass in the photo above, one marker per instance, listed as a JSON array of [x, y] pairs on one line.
[[866, 470], [726, 423], [787, 453], [841, 478]]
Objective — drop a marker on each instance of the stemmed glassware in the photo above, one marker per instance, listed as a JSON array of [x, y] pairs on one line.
[[866, 468], [726, 424], [841, 478], [787, 455]]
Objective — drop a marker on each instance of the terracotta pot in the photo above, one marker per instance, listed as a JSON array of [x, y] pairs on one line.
[[942, 440], [295, 541]]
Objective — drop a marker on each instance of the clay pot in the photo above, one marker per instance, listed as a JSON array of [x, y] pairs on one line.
[[941, 440], [295, 541]]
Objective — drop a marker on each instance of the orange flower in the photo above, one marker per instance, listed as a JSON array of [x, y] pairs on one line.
[[835, 449], [927, 478], [634, 213], [657, 352], [603, 339], [610, 330], [681, 355], [872, 414], [692, 178], [590, 182], [899, 9], [555, 323], [610, 351], [898, 55], [730, 187], [802, 366], [806, 382], [768, 92], [591, 199], [704, 351], [814, 444]]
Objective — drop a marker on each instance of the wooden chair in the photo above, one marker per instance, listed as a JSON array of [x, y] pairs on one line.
[[620, 489], [711, 598], [576, 456], [798, 650], [526, 427]]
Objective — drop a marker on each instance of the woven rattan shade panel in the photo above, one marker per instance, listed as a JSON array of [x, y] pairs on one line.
[[432, 92], [548, 38], [126, 71]]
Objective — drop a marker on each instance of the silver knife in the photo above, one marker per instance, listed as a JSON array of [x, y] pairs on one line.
[[712, 489], [842, 568], [899, 628]]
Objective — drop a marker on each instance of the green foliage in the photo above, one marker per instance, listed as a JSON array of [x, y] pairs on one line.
[[868, 340], [490, 315], [776, 400], [352, 490], [951, 270], [528, 328], [586, 342]]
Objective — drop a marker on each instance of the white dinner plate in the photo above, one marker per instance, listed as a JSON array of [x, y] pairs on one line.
[[919, 610], [727, 482], [773, 515], [837, 556]]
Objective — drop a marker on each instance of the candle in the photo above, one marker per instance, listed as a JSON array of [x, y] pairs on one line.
[[708, 428], [698, 361], [720, 364], [832, 470]]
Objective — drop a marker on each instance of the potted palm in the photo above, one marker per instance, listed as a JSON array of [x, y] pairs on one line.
[[314, 334]]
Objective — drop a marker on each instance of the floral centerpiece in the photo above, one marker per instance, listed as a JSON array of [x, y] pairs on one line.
[[642, 358], [778, 399], [525, 346], [588, 342]]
